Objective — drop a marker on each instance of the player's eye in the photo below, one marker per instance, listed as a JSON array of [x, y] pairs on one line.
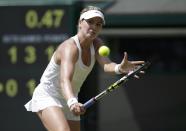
[[90, 21], [99, 24], [93, 22]]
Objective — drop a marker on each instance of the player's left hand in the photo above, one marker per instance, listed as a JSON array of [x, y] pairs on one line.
[[128, 66]]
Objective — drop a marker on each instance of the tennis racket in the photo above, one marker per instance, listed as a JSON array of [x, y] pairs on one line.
[[115, 85]]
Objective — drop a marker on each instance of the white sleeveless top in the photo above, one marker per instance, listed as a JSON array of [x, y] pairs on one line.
[[52, 72]]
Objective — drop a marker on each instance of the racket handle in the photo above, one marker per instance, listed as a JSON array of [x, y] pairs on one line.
[[89, 103]]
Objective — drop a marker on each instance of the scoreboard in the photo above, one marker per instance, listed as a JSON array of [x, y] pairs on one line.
[[29, 34]]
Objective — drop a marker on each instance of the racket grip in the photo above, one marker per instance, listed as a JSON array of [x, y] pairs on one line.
[[89, 103]]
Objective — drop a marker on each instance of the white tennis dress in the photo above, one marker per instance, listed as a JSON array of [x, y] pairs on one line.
[[48, 92]]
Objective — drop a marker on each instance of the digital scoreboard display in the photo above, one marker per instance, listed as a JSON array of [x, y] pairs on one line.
[[28, 37]]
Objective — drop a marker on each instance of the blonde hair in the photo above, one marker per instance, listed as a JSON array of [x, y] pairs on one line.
[[91, 8]]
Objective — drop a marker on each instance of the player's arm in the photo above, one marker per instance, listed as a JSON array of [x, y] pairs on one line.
[[107, 65], [67, 53], [68, 57], [111, 67]]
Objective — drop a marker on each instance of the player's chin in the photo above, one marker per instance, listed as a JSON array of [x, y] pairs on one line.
[[92, 35]]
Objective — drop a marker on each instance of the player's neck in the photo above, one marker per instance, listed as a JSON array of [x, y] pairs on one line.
[[84, 41]]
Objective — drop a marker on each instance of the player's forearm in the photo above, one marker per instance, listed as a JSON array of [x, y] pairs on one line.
[[66, 89], [110, 67], [113, 68], [68, 94]]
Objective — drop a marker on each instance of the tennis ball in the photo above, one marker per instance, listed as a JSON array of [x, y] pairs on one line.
[[104, 51]]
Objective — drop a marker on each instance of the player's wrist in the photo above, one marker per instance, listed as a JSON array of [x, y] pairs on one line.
[[117, 69], [71, 101]]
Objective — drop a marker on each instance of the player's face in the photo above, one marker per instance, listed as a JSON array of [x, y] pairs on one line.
[[92, 27]]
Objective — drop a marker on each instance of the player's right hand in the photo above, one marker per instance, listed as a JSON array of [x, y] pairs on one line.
[[77, 109]]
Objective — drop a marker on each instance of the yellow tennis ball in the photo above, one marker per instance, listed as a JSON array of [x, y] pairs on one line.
[[104, 51]]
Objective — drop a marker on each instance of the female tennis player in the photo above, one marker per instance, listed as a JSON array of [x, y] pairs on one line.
[[55, 98]]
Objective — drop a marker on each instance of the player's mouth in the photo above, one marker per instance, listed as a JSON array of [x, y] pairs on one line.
[[92, 32]]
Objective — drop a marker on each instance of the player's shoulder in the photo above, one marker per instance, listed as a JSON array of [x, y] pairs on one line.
[[97, 42], [66, 48], [68, 44]]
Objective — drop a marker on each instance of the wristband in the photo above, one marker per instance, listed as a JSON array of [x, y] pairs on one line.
[[71, 101], [117, 69]]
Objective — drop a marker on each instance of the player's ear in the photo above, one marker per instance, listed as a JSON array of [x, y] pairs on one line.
[[78, 26], [80, 21]]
